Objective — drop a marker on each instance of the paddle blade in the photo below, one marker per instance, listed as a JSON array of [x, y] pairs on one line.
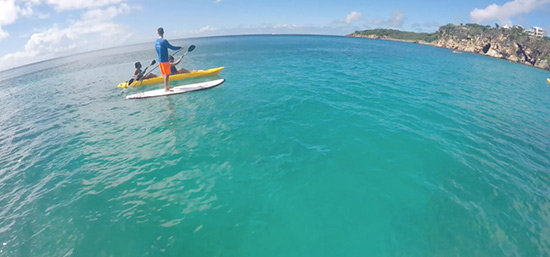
[[130, 82], [191, 48], [153, 62]]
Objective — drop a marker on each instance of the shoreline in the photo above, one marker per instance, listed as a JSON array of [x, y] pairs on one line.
[[443, 47]]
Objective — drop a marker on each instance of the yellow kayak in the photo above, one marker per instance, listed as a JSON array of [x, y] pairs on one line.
[[156, 80], [548, 80]]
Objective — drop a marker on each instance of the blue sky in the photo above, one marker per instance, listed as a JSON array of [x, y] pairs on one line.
[[34, 30]]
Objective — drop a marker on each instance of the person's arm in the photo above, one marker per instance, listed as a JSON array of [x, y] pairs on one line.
[[137, 74], [178, 61], [171, 46]]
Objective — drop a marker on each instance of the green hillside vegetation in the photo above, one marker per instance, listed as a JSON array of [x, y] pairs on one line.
[[400, 35], [469, 31], [507, 43]]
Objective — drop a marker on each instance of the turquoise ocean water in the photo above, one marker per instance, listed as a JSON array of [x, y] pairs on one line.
[[314, 146]]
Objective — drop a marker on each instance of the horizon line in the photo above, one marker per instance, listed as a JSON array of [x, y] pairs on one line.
[[184, 38]]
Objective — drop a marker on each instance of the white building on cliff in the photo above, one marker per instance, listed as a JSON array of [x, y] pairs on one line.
[[537, 32]]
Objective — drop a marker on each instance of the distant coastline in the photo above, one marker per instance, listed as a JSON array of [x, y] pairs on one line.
[[512, 44]]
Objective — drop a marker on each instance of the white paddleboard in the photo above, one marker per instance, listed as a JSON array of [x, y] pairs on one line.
[[177, 90]]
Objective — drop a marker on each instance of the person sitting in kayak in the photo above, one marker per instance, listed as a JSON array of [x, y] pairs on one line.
[[138, 74], [173, 64]]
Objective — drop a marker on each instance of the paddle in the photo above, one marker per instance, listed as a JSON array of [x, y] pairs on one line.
[[132, 79], [190, 49]]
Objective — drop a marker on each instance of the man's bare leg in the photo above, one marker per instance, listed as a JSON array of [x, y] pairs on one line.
[[166, 88]]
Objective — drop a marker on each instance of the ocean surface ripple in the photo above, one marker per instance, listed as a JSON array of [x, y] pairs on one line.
[[314, 146]]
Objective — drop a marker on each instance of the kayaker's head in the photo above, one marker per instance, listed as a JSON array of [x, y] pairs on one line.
[[171, 58], [137, 65], [160, 31]]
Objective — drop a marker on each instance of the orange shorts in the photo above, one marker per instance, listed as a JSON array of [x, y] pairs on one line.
[[165, 68]]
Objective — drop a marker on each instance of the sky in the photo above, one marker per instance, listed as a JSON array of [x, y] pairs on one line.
[[36, 30]]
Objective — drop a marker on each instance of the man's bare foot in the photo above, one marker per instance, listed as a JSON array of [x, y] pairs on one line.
[[167, 89]]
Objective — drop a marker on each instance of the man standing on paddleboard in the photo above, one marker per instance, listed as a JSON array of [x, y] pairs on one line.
[[162, 45]]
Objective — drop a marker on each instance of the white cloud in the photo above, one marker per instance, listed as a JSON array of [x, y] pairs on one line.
[[43, 15], [106, 14], [351, 17], [218, 1], [94, 28], [504, 13], [8, 15], [61, 5], [8, 12], [12, 10], [49, 41], [281, 26], [207, 28], [396, 20], [25, 9], [3, 34]]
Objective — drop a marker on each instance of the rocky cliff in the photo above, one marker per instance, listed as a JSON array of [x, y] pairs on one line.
[[512, 44]]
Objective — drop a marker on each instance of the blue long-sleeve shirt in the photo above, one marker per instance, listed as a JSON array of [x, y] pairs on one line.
[[162, 45]]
